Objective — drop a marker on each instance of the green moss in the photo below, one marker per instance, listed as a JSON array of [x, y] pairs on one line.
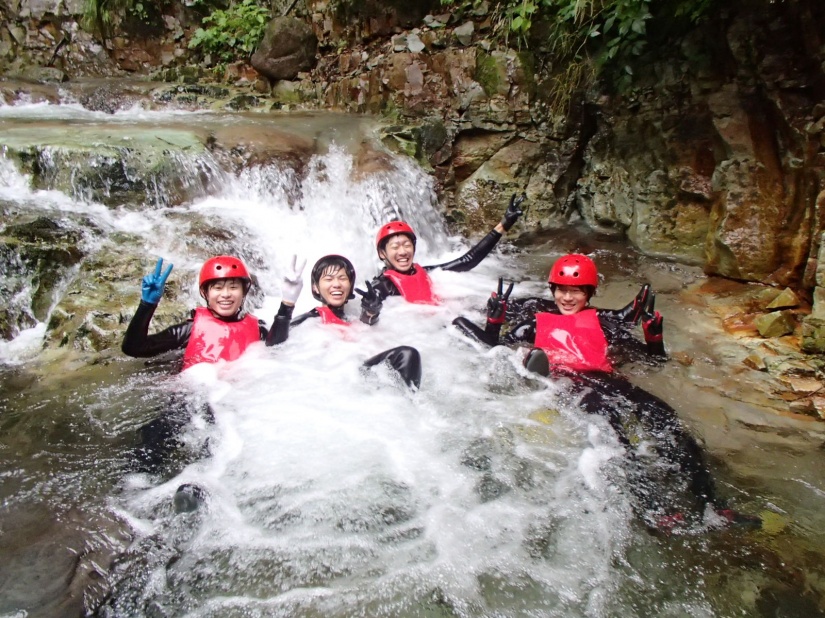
[[488, 74]]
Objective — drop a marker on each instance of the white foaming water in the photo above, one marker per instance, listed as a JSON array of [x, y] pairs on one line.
[[337, 491], [333, 490]]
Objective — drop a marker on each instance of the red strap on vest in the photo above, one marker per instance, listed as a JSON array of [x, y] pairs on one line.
[[573, 341], [416, 287], [213, 339], [328, 317]]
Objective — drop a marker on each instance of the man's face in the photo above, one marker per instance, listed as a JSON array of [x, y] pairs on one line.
[[225, 296], [570, 299], [399, 251], [334, 286]]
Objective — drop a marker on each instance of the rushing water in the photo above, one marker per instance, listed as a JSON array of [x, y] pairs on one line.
[[331, 491]]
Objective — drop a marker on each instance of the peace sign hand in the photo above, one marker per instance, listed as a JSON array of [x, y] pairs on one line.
[[632, 312], [371, 303], [497, 303], [151, 290]]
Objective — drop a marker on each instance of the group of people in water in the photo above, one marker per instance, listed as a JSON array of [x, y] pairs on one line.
[[564, 337]]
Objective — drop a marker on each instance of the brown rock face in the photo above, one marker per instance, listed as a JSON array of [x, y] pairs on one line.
[[288, 47]]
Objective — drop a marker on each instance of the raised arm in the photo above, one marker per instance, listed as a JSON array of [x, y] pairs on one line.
[[137, 341], [476, 254], [496, 315], [291, 287]]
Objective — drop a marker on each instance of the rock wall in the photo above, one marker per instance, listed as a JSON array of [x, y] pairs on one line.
[[715, 157]]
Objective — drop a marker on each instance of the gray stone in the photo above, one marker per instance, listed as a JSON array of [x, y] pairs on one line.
[[288, 47], [414, 43], [464, 33]]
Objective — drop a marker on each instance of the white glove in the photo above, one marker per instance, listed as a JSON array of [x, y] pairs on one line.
[[293, 283]]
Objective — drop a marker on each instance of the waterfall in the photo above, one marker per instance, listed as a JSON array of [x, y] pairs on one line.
[[327, 489]]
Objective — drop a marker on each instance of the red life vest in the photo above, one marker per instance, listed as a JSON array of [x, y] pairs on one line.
[[574, 341], [416, 287], [329, 317], [213, 339]]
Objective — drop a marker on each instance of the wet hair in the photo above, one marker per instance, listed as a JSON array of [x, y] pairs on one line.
[[328, 265]]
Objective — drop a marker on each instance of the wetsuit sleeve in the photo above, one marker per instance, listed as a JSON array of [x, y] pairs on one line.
[[473, 257], [524, 332], [283, 322], [140, 344], [280, 326]]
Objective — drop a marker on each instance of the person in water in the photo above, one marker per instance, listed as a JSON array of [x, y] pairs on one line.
[[332, 279], [401, 276], [222, 330], [569, 338]]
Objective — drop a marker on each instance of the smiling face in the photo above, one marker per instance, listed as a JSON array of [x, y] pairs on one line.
[[224, 297], [398, 252], [333, 286], [570, 299]]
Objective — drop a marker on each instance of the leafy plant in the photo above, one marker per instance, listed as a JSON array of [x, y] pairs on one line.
[[592, 38], [99, 16], [232, 32]]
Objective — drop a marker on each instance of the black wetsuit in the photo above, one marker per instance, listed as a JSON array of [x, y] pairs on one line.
[[384, 287], [406, 360], [159, 440], [628, 408], [137, 341]]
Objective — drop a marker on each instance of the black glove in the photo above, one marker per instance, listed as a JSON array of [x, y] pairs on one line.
[[513, 211], [633, 311], [371, 303], [652, 322], [497, 304]]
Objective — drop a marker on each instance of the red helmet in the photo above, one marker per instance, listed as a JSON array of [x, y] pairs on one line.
[[391, 229], [574, 269], [224, 267]]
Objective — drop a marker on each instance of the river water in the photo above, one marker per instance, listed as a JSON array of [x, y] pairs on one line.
[[330, 491]]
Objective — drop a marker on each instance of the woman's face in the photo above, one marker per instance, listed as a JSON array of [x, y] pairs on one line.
[[334, 287], [224, 297], [570, 299], [399, 252]]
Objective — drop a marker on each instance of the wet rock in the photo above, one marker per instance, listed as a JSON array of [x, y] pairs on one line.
[[775, 324], [36, 254], [113, 164], [813, 335], [93, 313], [287, 48], [787, 299], [188, 498]]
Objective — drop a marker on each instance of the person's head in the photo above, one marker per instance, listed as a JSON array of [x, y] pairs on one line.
[[224, 282], [573, 280], [332, 279], [395, 243]]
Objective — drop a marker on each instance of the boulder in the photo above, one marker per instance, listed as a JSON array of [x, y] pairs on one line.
[[288, 48], [775, 324]]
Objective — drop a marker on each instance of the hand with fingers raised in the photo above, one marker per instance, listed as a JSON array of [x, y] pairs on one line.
[[513, 212], [497, 303], [632, 312], [652, 321], [151, 290], [371, 304], [293, 283]]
